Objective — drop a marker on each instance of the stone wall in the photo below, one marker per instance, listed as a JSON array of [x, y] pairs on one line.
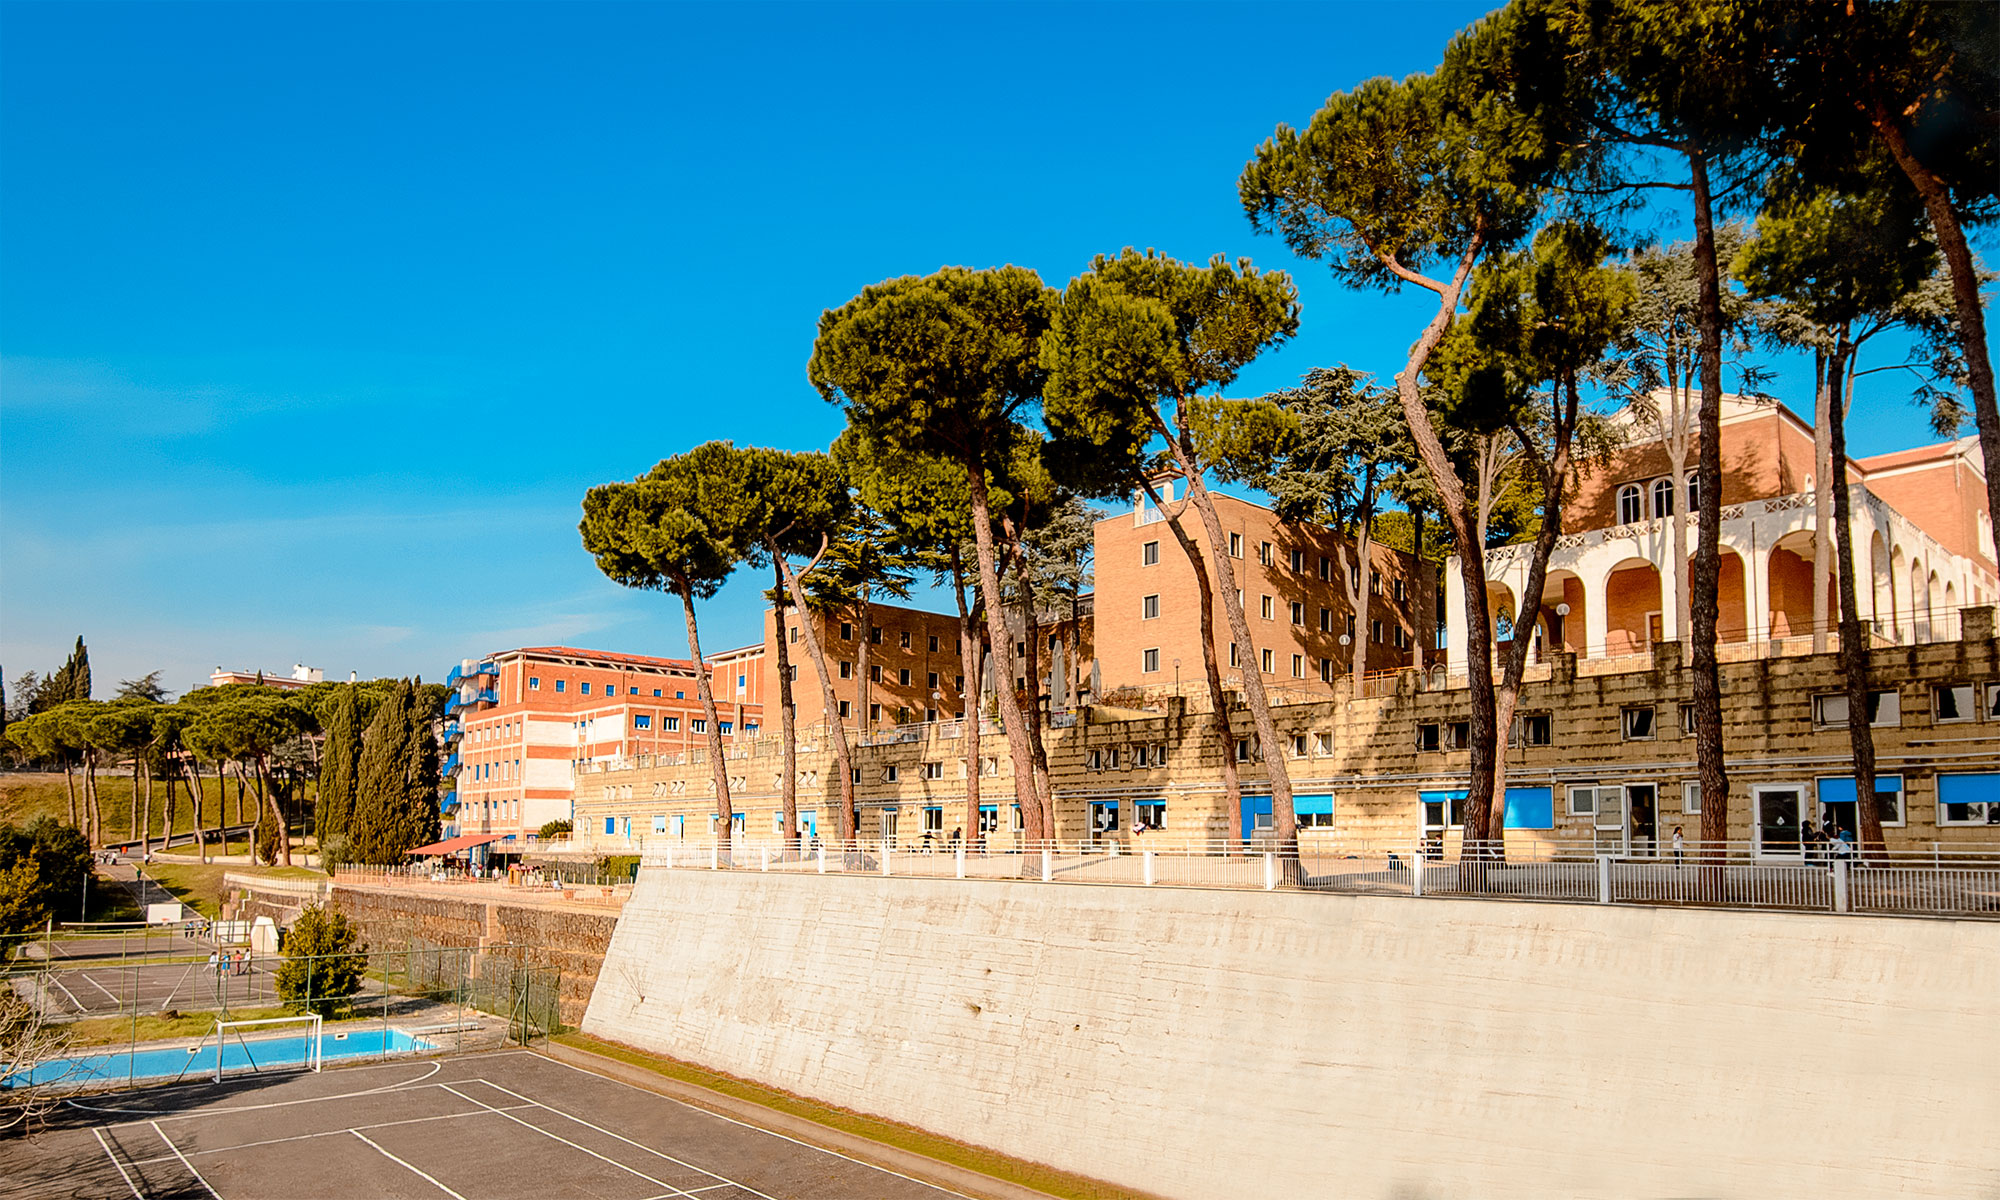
[[1206, 1044]]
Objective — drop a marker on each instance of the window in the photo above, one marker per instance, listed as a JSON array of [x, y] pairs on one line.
[[1374, 583], [1235, 655], [611, 824], [1350, 625], [1298, 666], [642, 721], [672, 724], [846, 709], [1687, 720], [854, 773], [933, 643], [1298, 745], [1298, 613], [1457, 735], [875, 635], [930, 680], [1637, 724], [1993, 701], [534, 683], [1694, 491], [1149, 608], [1149, 814], [1236, 545], [1427, 736], [1952, 702], [1149, 554], [1246, 749], [903, 677], [1663, 497], [1631, 504], [958, 682], [699, 725], [1884, 709], [1354, 577], [656, 693], [874, 712], [1399, 637], [846, 669], [739, 683], [934, 821], [903, 639], [1264, 553], [847, 631], [586, 689], [725, 726], [1837, 794], [1152, 661], [1971, 799], [1532, 729], [1325, 568], [1326, 670], [1326, 620], [1375, 631], [795, 635], [889, 774], [680, 695], [874, 672], [930, 716], [1267, 608], [1583, 801], [1322, 745], [741, 680], [1267, 659], [1691, 797], [1299, 561], [1094, 760], [561, 684], [933, 770], [1402, 590]]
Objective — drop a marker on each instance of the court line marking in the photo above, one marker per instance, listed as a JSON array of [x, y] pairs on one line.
[[115, 999], [184, 1162], [57, 980], [306, 1137], [630, 1170], [406, 1166], [783, 1137], [720, 1179], [136, 1194], [185, 1116]]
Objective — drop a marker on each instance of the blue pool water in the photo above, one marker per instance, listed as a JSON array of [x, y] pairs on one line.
[[181, 1062]]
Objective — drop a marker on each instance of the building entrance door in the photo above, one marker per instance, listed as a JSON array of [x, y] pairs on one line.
[[1612, 833], [1440, 814], [1642, 815], [1776, 811]]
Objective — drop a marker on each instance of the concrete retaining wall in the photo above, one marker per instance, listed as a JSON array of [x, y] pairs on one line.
[[1210, 1044]]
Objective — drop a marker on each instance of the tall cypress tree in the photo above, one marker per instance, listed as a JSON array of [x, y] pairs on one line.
[[381, 788], [339, 764], [419, 824], [72, 682]]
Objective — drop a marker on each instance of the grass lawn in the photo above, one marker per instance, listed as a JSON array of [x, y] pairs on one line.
[[199, 885], [27, 795], [156, 1027]]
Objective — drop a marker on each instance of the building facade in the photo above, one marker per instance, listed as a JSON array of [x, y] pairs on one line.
[[1920, 531], [521, 724], [1148, 615]]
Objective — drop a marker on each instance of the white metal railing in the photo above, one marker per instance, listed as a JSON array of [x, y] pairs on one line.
[[1962, 882]]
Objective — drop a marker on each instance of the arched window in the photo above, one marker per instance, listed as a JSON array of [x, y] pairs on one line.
[[1663, 497], [1694, 491], [1630, 504]]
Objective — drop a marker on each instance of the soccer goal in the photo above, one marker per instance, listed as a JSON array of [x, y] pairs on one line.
[[268, 1044]]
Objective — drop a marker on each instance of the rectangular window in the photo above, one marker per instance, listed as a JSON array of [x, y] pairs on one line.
[[1149, 814], [1375, 631], [889, 774], [1687, 720], [1264, 553], [1637, 724], [903, 639], [1691, 798], [931, 680], [1582, 801], [699, 725], [903, 677], [1968, 799], [1298, 666], [534, 683], [847, 631], [1094, 760], [1235, 655], [1149, 554], [1402, 590], [1354, 576], [874, 672], [1836, 794], [874, 635], [933, 770], [586, 689], [1298, 613], [1322, 745], [611, 824], [930, 716], [1325, 568], [1458, 735], [725, 726], [846, 709], [1531, 729], [795, 634], [739, 683], [1267, 608], [958, 683], [854, 773], [1326, 620], [874, 712], [1299, 561], [846, 669], [1267, 659], [1952, 702], [1298, 745], [1427, 736], [1151, 661], [934, 643], [1149, 608], [1326, 670], [656, 693], [673, 724], [1885, 708], [561, 684], [1236, 545], [1350, 624], [1243, 750], [642, 721]]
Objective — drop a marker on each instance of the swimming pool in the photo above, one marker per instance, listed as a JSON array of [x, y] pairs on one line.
[[197, 1060]]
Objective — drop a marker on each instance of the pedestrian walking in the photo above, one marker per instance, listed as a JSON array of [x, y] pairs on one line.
[[1679, 843]]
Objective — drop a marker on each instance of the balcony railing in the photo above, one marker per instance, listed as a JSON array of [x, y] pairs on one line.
[[460, 701], [459, 674], [450, 767]]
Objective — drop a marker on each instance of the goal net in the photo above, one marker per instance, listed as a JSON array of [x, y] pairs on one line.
[[267, 1044]]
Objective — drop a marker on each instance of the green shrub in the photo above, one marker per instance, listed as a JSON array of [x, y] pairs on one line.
[[557, 828], [324, 961]]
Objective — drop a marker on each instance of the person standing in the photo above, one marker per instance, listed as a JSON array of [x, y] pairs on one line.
[[1679, 844]]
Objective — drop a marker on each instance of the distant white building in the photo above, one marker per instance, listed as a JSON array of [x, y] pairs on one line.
[[301, 676]]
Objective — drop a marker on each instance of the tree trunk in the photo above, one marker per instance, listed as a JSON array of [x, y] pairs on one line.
[[1019, 753], [1457, 511], [1677, 448], [1031, 635], [1358, 597], [146, 823], [94, 812], [843, 761], [1825, 485], [1704, 602], [968, 662], [69, 782], [1854, 639], [1284, 817], [718, 766], [277, 810], [1218, 701], [787, 714], [863, 685], [242, 785], [1965, 283]]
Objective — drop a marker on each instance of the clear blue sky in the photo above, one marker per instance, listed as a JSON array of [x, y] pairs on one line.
[[316, 321]]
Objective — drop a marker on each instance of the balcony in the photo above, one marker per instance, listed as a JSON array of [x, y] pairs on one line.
[[460, 701], [450, 767], [452, 732], [459, 674]]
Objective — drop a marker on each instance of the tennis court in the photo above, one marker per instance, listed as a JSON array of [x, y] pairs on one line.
[[508, 1125]]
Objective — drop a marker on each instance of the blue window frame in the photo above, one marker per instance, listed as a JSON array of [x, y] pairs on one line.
[[611, 824], [642, 721], [562, 684]]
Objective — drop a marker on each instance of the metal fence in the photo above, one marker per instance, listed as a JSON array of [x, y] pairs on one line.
[[1937, 882], [104, 1006]]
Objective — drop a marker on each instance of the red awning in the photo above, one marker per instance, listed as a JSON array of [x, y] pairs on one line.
[[454, 845]]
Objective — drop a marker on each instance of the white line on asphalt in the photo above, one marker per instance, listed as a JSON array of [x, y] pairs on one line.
[[392, 1158], [136, 1194], [190, 1166]]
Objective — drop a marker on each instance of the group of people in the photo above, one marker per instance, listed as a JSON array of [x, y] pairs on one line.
[[229, 962]]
